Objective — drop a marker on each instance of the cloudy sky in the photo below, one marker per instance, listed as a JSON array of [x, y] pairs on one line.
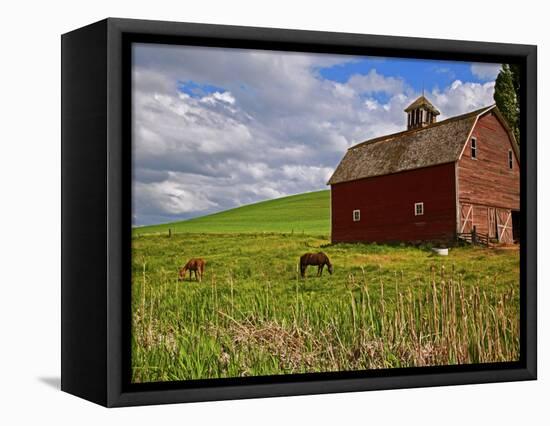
[[218, 128]]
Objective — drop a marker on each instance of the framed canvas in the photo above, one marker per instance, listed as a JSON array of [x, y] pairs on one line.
[[255, 212]]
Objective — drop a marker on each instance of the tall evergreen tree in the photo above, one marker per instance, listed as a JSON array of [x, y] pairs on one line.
[[514, 68], [507, 96]]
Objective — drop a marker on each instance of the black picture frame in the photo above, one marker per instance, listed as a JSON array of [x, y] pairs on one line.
[[96, 207]]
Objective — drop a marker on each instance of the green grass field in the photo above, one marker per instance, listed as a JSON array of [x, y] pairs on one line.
[[304, 213], [384, 306]]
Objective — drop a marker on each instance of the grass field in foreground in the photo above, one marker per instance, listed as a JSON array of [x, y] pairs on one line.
[[384, 307], [304, 213]]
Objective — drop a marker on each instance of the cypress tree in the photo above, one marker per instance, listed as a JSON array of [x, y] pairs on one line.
[[507, 96], [514, 68]]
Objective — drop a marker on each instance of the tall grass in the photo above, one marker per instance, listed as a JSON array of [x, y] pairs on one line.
[[259, 318]]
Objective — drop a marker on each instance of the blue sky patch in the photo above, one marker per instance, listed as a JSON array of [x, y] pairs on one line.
[[197, 90], [419, 74], [380, 97]]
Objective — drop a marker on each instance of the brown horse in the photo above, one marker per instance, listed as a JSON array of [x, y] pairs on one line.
[[317, 259], [194, 265]]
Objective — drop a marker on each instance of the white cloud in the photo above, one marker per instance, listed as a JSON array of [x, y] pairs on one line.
[[172, 197], [485, 71], [226, 97], [374, 82], [371, 104], [461, 97], [309, 174]]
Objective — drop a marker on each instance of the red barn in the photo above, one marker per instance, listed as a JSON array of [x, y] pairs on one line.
[[431, 182]]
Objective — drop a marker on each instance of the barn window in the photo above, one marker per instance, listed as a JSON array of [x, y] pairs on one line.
[[510, 159], [418, 209], [356, 215], [473, 145]]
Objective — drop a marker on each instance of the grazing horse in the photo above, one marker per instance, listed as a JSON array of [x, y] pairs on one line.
[[318, 259], [194, 265]]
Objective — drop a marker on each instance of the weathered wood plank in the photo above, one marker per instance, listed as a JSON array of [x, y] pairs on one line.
[[488, 180]]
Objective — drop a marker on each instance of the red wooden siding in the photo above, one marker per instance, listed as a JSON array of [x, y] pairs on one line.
[[488, 180], [387, 206], [486, 185]]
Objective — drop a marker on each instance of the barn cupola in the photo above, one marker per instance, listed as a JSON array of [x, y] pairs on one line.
[[421, 113]]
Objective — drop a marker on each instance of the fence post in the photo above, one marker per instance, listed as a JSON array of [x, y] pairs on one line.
[[474, 236]]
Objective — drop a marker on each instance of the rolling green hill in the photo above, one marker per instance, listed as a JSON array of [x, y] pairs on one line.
[[308, 213]]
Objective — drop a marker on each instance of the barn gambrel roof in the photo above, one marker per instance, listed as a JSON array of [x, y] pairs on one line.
[[438, 143]]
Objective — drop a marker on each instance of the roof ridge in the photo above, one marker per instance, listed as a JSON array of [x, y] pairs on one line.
[[419, 129]]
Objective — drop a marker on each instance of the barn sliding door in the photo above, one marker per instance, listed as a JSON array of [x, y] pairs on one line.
[[491, 223], [466, 218], [504, 226]]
